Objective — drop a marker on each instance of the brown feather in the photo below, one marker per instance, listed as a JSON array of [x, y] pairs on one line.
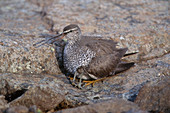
[[91, 57], [123, 66], [107, 55]]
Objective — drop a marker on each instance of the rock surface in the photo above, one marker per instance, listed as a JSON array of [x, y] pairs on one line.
[[17, 109], [133, 25], [112, 106], [3, 103], [18, 33], [42, 96], [140, 25], [155, 96], [25, 70]]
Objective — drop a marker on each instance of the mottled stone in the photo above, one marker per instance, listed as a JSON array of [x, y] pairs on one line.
[[133, 24], [3, 103], [140, 25], [112, 106], [155, 96], [33, 109], [17, 109], [11, 83], [20, 28], [42, 96]]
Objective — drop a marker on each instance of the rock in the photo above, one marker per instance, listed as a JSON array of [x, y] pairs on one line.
[[112, 106], [12, 83], [17, 109], [33, 109], [46, 92], [125, 85], [18, 33], [3, 103], [139, 25], [155, 97], [42, 96], [143, 30]]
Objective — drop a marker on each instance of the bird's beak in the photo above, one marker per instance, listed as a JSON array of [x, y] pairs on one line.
[[59, 36], [62, 37]]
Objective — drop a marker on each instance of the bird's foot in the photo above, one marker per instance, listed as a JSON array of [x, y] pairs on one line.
[[70, 78], [80, 85], [92, 82], [75, 82]]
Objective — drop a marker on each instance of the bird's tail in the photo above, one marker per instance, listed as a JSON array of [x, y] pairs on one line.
[[128, 54], [123, 66]]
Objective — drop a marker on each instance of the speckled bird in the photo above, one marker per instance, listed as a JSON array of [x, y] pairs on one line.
[[91, 57]]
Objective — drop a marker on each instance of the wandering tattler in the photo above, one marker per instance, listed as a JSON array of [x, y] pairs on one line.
[[91, 57]]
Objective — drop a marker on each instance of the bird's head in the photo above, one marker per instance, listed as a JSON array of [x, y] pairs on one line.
[[71, 33]]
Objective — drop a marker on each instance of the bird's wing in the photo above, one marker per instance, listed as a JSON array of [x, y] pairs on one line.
[[107, 56], [100, 46], [101, 66], [123, 66]]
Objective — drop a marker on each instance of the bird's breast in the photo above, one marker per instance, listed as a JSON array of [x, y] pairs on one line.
[[74, 57]]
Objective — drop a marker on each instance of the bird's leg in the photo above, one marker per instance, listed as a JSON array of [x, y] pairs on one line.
[[88, 82], [73, 82], [80, 80], [93, 81], [75, 74], [97, 80], [79, 84]]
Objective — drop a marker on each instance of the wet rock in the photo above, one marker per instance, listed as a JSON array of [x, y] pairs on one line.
[[155, 97], [17, 109], [42, 96], [112, 106]]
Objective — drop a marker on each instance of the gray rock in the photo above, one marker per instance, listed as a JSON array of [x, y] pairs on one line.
[[42, 96], [3, 103], [112, 106], [17, 109], [18, 33], [155, 96], [139, 25]]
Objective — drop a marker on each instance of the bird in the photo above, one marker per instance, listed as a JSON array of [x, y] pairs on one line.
[[91, 57]]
